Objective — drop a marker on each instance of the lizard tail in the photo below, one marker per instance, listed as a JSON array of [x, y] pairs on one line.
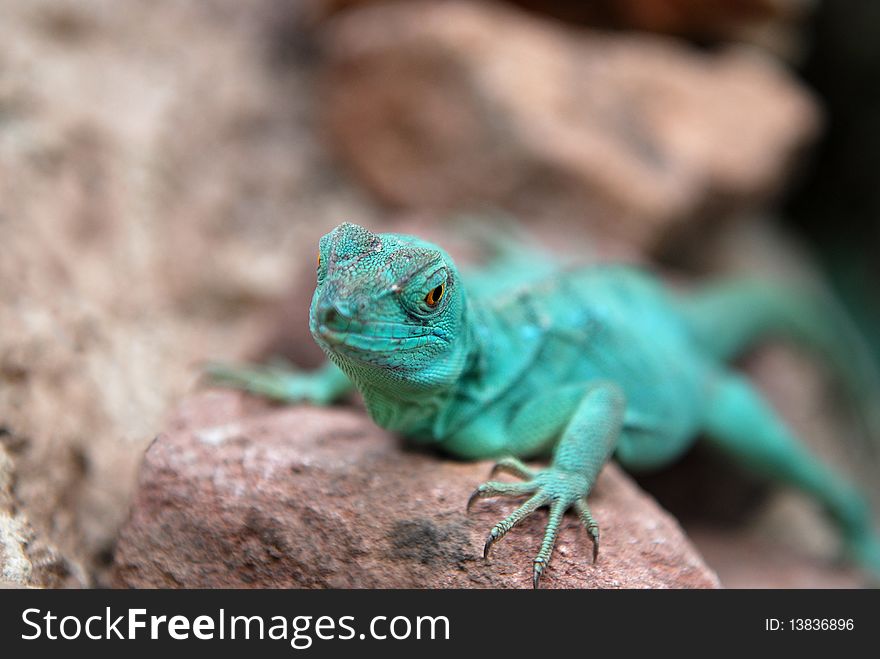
[[729, 317]]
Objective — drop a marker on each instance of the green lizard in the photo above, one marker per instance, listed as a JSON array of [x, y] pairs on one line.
[[583, 364]]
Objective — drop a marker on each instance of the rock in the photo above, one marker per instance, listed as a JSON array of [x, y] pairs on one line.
[[15, 568], [747, 560], [704, 20], [26, 559], [770, 23], [452, 104], [236, 494]]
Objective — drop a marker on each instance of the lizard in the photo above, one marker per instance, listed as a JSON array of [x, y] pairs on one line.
[[581, 364]]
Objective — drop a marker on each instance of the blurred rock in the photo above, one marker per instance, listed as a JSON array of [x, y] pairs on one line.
[[25, 558], [451, 104], [773, 24], [15, 568], [155, 199], [690, 17], [238, 495], [747, 560], [770, 23]]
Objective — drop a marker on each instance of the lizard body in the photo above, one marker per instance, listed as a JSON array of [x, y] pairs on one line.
[[578, 364]]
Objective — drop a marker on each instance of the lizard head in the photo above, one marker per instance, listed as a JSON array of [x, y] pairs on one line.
[[388, 308]]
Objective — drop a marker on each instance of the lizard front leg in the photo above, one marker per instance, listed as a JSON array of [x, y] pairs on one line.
[[284, 384], [586, 443]]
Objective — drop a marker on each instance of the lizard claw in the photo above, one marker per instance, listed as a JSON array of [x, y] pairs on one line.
[[473, 497], [536, 576], [489, 542], [590, 524]]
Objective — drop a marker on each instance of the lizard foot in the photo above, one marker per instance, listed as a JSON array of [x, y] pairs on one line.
[[275, 382], [552, 487]]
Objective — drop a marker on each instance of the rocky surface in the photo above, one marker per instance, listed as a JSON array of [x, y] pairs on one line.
[[235, 494], [445, 104]]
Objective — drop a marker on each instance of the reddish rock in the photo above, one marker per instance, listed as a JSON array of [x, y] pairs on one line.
[[746, 560], [451, 104], [236, 494], [710, 20], [699, 19]]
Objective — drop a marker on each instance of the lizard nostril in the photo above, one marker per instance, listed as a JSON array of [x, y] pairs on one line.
[[331, 317]]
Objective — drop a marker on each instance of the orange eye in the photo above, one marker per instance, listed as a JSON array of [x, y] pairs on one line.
[[435, 295], [319, 259]]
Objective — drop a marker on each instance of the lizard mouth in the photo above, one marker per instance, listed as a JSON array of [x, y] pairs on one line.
[[383, 338]]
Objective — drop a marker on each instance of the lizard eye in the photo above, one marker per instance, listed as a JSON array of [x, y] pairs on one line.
[[432, 299], [319, 260]]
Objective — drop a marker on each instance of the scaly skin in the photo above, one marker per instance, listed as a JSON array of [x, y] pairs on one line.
[[580, 364]]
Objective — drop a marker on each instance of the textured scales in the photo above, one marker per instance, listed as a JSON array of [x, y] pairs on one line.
[[577, 364]]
